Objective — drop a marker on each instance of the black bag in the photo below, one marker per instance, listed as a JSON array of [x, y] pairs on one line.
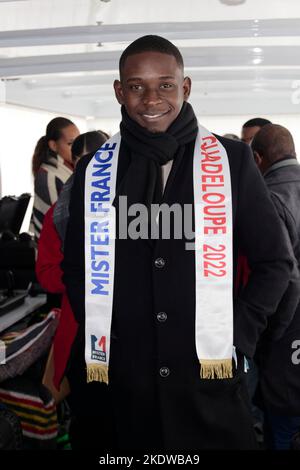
[[10, 430]]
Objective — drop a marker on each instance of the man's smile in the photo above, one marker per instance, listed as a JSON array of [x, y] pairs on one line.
[[154, 116]]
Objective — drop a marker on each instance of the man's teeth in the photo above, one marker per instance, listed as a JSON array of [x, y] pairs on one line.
[[153, 116]]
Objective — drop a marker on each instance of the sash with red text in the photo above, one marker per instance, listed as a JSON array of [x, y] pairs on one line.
[[213, 256], [213, 253]]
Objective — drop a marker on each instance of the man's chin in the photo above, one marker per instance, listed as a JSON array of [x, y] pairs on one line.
[[155, 128], [156, 131]]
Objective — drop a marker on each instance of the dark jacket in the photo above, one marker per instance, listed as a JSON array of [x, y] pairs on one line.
[[180, 411], [280, 373]]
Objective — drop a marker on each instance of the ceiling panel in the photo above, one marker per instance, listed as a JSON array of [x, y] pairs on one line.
[[62, 55]]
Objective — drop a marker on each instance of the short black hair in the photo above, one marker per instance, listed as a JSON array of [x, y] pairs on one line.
[[86, 143], [150, 43], [273, 142], [257, 122]]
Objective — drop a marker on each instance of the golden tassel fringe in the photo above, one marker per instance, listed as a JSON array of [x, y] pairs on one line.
[[97, 373], [213, 369]]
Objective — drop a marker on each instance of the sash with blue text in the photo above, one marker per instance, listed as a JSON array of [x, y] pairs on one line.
[[213, 257]]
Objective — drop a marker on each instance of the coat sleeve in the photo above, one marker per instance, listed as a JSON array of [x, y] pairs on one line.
[[285, 313], [49, 257], [261, 238], [73, 262]]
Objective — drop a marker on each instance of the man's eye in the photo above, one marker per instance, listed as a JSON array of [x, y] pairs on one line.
[[136, 87], [167, 85]]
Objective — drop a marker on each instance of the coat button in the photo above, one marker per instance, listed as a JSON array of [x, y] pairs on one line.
[[162, 316], [159, 263], [164, 371]]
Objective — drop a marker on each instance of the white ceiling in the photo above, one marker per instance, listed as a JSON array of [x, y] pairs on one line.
[[62, 55]]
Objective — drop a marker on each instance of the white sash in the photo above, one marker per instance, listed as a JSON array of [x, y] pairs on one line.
[[213, 257], [100, 224], [213, 239]]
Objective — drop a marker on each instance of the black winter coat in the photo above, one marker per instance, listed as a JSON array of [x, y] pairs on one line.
[[279, 349], [178, 411]]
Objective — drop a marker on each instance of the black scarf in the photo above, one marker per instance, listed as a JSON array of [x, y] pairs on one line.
[[149, 151]]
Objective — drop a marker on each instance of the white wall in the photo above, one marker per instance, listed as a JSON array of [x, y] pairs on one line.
[[232, 124], [223, 124], [20, 129], [110, 126]]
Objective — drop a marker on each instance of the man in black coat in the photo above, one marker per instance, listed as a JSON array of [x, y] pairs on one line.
[[156, 398], [279, 350]]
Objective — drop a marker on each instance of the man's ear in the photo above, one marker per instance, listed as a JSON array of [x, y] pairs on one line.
[[52, 145], [187, 85], [119, 91], [257, 158]]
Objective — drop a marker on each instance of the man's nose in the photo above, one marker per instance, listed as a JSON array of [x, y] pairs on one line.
[[151, 97]]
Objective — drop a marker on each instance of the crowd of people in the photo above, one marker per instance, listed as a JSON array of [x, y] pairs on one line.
[[171, 348]]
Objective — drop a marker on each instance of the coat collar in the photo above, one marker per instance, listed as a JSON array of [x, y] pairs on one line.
[[281, 164]]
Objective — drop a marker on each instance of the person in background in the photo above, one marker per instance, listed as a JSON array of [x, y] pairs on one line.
[[49, 255], [251, 127], [278, 358], [51, 167], [49, 275], [85, 144]]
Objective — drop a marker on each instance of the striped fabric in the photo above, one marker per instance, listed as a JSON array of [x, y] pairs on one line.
[[28, 398], [37, 414], [23, 348], [47, 186]]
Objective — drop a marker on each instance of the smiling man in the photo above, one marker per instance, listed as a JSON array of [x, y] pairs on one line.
[[164, 340]]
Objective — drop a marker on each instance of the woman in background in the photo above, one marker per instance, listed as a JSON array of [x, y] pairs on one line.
[[51, 167], [49, 275], [84, 145]]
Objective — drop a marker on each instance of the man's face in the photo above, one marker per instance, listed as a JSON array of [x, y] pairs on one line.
[[152, 89], [248, 133]]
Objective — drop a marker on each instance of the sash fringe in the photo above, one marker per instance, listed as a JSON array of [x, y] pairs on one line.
[[213, 369], [97, 373]]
